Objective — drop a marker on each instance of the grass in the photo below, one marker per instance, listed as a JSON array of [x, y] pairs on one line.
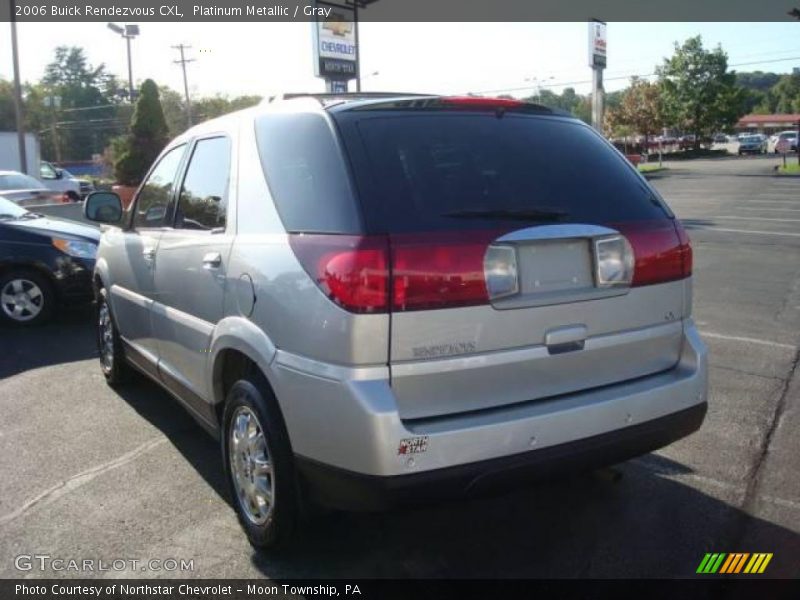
[[790, 169], [651, 168]]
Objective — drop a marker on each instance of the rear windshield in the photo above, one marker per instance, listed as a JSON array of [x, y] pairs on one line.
[[430, 172]]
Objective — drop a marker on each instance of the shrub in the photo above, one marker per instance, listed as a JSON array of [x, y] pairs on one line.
[[135, 152]]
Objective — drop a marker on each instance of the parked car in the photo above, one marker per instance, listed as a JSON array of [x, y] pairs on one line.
[[752, 144], [381, 300], [785, 141], [27, 191], [720, 138], [86, 185], [43, 263], [59, 180]]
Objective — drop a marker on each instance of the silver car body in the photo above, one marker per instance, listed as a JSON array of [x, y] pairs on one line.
[[464, 384]]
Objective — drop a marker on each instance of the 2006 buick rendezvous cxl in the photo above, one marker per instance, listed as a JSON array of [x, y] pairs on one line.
[[378, 299]]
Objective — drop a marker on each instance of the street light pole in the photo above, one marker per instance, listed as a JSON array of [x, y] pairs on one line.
[[23, 159], [130, 68], [128, 32]]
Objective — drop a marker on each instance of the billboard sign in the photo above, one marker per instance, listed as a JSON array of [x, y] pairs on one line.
[[335, 49], [597, 44]]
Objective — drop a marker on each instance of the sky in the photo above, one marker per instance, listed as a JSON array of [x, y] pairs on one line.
[[448, 58]]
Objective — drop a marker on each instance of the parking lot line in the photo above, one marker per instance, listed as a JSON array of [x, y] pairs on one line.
[[749, 340], [81, 479], [753, 231], [779, 220], [768, 209]]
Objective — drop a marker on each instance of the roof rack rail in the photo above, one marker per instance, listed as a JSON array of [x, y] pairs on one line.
[[328, 97]]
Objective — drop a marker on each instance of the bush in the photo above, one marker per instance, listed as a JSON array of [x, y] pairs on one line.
[[135, 152]]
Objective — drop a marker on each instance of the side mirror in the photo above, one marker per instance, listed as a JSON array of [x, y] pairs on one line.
[[103, 207], [59, 174]]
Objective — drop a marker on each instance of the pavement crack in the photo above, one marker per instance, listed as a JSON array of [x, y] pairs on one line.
[[80, 479]]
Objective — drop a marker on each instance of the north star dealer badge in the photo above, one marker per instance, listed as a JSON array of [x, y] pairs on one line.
[[413, 445]]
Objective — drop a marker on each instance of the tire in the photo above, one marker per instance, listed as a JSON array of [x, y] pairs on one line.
[[26, 297], [73, 196], [266, 504], [115, 368]]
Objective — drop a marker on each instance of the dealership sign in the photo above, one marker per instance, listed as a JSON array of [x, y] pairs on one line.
[[597, 44], [335, 49]]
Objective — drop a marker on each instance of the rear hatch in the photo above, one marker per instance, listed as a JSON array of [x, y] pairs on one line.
[[526, 258]]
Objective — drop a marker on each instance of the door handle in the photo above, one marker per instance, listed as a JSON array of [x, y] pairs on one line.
[[565, 339], [212, 260]]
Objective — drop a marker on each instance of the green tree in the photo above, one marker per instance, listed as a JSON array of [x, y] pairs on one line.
[[700, 95], [640, 109], [87, 115], [148, 135], [8, 119]]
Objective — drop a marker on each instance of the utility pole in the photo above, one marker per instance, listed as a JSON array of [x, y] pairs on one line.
[[23, 159], [182, 62]]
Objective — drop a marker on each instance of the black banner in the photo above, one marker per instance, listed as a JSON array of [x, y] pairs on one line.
[[399, 10], [409, 589]]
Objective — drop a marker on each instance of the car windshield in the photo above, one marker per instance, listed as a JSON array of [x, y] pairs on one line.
[[9, 210], [750, 139], [18, 181]]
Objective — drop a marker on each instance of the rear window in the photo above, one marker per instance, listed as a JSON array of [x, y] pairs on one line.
[[454, 171]]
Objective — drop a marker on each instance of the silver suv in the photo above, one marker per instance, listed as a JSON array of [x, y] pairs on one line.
[[389, 299]]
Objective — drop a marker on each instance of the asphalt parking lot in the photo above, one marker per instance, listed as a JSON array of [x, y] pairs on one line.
[[89, 472]]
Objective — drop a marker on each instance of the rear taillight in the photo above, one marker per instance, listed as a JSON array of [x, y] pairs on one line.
[[442, 270], [351, 270], [425, 271], [661, 251]]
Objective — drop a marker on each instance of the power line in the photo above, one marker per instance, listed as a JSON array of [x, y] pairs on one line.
[[621, 77]]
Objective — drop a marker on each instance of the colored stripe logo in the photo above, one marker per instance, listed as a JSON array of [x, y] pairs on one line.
[[734, 563]]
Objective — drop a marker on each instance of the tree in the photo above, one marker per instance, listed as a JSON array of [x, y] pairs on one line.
[[148, 135], [79, 85], [699, 94], [640, 109], [8, 119]]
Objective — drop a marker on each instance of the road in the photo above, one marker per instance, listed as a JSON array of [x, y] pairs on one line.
[[89, 472]]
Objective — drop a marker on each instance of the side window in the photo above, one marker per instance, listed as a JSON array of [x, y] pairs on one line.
[[203, 199], [46, 171], [153, 200]]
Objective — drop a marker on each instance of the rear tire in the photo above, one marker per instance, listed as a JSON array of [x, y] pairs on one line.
[[259, 464], [115, 368], [26, 297]]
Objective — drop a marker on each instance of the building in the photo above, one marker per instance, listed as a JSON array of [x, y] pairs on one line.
[[768, 124]]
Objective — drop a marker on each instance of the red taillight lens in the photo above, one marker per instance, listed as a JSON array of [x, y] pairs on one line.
[[686, 248], [480, 102], [439, 270], [660, 253], [353, 271]]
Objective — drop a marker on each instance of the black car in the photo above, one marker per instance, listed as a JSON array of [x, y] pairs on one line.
[[43, 262]]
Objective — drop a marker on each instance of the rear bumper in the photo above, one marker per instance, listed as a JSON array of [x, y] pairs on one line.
[[344, 425], [345, 489]]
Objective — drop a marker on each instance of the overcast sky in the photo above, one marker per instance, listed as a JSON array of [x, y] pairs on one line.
[[264, 58]]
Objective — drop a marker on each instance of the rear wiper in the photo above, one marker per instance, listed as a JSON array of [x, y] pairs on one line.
[[528, 214]]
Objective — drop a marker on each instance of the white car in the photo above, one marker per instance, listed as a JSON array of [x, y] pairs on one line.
[[791, 144], [59, 180]]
